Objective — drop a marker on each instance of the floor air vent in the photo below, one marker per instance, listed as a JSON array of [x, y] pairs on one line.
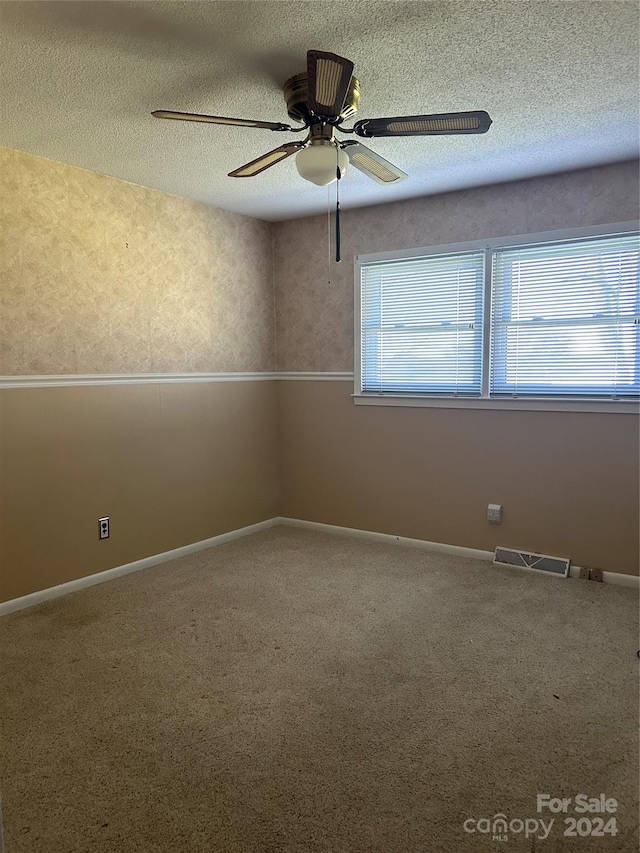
[[527, 560]]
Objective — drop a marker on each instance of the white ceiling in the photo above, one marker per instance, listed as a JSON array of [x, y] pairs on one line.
[[80, 79]]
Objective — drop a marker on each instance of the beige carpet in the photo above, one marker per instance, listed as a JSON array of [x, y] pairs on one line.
[[297, 691]]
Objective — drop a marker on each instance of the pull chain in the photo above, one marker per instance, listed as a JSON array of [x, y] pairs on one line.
[[338, 251], [329, 234], [338, 176]]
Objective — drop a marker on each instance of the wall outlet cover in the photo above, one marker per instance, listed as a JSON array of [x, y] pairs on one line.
[[494, 514]]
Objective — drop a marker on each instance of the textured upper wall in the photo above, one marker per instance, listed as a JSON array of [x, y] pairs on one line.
[[102, 276], [314, 322]]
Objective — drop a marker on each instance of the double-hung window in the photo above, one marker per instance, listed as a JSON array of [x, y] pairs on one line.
[[543, 317]]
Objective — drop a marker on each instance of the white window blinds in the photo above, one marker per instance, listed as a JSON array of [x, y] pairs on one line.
[[421, 325], [565, 319]]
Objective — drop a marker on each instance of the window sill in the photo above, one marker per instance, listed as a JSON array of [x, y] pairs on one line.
[[524, 404]]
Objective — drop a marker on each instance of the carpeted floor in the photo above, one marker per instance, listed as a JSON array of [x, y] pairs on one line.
[[300, 692]]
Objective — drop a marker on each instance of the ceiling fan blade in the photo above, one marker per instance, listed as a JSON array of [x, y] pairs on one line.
[[328, 78], [477, 121], [373, 165], [237, 122], [265, 161]]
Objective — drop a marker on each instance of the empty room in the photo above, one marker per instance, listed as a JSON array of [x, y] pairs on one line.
[[319, 426]]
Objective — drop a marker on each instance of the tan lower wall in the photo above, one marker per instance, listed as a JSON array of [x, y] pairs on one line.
[[568, 482], [169, 464], [173, 464]]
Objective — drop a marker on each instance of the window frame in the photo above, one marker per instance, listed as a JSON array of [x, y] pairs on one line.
[[484, 401]]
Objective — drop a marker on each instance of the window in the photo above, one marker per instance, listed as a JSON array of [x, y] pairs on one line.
[[520, 318], [422, 325]]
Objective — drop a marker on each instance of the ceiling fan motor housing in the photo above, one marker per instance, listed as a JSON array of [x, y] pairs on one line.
[[296, 95]]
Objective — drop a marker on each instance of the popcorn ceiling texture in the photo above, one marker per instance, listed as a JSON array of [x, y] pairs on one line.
[[101, 276], [314, 296], [559, 79]]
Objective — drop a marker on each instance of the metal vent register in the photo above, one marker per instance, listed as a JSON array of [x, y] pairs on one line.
[[529, 560]]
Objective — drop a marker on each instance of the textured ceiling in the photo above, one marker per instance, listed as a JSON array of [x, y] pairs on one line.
[[79, 80]]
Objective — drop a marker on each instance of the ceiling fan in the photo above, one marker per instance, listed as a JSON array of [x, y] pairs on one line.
[[321, 100]]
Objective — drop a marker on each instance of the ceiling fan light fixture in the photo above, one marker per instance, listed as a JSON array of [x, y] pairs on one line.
[[320, 161]]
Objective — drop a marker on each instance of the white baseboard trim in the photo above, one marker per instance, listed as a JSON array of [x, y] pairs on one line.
[[62, 589], [616, 578], [389, 539], [110, 574]]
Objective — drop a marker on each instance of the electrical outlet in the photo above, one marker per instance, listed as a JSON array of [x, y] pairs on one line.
[[104, 527], [494, 514], [585, 573], [596, 575]]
